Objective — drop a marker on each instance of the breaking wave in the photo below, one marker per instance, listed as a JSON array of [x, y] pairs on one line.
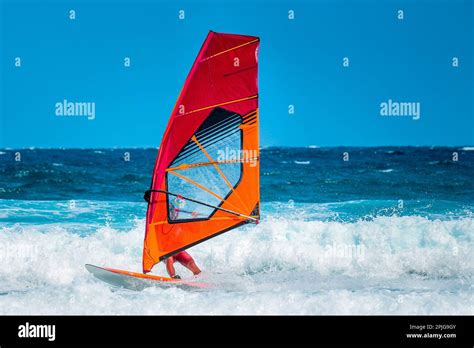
[[386, 265]]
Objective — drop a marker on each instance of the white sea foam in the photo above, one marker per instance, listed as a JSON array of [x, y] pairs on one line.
[[404, 265]]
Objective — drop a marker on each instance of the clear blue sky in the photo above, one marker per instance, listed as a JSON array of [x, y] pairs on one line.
[[300, 64]]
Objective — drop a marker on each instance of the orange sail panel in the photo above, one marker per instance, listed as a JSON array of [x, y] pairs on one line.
[[206, 176]]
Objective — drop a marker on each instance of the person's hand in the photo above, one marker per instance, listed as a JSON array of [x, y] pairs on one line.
[[176, 277]]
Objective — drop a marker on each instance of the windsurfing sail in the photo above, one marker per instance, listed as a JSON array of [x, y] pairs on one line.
[[206, 176]]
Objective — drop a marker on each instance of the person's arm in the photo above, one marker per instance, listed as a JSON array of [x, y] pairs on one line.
[[170, 267]]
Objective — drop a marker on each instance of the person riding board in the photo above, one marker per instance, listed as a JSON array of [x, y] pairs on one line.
[[182, 257]]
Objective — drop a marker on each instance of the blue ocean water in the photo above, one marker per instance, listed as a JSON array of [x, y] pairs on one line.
[[389, 230]]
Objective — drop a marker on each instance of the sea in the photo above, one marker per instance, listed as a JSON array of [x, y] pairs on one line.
[[344, 230]]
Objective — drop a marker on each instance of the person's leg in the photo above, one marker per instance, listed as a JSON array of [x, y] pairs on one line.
[[170, 267], [187, 261], [191, 265]]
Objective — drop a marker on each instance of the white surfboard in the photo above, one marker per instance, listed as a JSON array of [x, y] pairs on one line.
[[138, 281]]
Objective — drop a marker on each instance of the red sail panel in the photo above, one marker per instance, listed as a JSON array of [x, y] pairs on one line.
[[206, 176]]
